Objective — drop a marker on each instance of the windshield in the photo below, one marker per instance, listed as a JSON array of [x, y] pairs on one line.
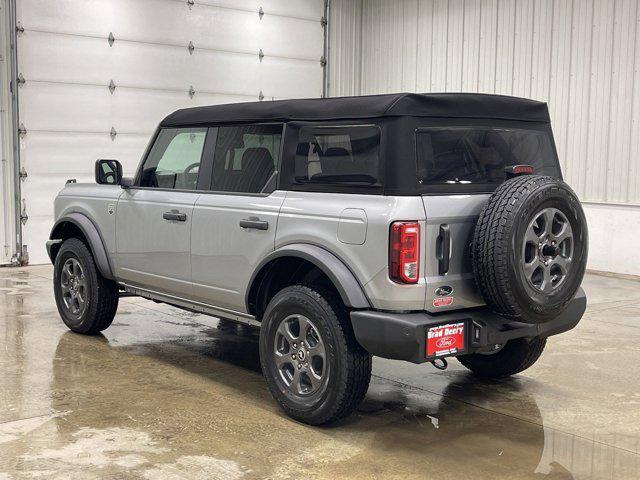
[[477, 156]]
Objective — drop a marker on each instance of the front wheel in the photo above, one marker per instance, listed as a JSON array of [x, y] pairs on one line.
[[311, 361], [514, 357], [86, 301]]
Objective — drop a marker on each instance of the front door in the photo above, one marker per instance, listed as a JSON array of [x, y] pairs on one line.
[[234, 225], [154, 218]]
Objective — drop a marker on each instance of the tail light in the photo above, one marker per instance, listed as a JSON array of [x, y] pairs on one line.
[[404, 252]]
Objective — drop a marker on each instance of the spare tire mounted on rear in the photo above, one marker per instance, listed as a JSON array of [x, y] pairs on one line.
[[529, 248]]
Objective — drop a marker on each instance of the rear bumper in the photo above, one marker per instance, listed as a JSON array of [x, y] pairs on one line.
[[402, 336]]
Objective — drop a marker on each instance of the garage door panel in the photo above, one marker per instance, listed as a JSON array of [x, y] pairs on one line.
[[173, 23], [86, 108], [308, 37], [246, 32], [305, 79], [64, 59], [65, 107], [311, 9], [144, 20], [73, 154]]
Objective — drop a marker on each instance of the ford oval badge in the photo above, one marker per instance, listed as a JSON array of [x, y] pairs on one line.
[[444, 291]]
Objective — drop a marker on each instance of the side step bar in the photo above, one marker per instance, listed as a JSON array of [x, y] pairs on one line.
[[196, 307]]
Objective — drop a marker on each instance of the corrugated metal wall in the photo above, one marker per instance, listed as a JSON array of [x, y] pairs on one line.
[[580, 56]]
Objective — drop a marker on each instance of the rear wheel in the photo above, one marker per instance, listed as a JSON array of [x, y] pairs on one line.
[[514, 357], [86, 301], [312, 363]]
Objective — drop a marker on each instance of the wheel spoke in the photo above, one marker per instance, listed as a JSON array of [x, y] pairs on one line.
[[564, 234], [549, 215], [305, 327], [282, 359], [562, 263], [285, 331], [80, 297], [546, 283], [295, 381], [530, 268], [532, 236], [315, 380], [68, 269], [317, 350]]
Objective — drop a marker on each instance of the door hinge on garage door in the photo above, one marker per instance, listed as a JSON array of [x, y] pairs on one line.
[[23, 212]]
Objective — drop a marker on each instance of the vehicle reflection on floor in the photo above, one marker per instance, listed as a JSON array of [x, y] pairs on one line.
[[168, 394]]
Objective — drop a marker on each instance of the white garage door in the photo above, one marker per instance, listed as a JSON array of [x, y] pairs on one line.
[[157, 56]]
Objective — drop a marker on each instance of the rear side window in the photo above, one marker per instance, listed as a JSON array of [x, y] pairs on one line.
[[174, 160], [479, 155], [246, 158], [338, 156]]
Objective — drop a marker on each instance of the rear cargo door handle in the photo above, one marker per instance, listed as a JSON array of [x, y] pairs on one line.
[[254, 222], [175, 215], [443, 247]]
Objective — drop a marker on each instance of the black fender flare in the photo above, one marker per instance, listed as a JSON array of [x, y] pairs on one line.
[[343, 279], [90, 232]]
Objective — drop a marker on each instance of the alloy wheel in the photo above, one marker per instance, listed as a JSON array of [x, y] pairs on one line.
[[73, 284], [547, 250], [300, 355]]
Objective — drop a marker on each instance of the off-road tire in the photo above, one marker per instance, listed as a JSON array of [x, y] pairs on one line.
[[497, 248], [101, 296], [349, 365], [516, 356]]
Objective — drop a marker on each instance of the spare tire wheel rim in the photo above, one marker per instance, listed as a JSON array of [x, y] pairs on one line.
[[547, 250], [300, 355]]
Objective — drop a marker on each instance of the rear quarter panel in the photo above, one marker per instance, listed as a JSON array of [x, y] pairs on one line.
[[355, 228]]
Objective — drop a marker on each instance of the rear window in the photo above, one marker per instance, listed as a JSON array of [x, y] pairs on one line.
[[338, 155], [477, 156]]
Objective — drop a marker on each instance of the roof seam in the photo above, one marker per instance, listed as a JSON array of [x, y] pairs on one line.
[[393, 104]]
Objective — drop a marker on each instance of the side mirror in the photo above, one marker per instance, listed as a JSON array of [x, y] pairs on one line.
[[108, 172]]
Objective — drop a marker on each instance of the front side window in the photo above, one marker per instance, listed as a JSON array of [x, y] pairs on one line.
[[479, 155], [246, 158], [174, 159], [338, 156]]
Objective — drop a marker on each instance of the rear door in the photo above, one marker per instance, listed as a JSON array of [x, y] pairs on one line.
[[234, 224], [459, 166], [154, 218]]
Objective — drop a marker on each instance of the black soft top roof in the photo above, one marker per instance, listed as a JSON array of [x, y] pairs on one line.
[[447, 105]]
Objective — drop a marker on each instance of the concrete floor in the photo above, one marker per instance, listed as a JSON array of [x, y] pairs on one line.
[[166, 394]]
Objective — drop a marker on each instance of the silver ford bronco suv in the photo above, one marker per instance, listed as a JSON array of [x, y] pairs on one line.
[[406, 226]]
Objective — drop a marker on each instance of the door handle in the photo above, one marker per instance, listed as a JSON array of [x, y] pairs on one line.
[[254, 222], [175, 215], [443, 247]]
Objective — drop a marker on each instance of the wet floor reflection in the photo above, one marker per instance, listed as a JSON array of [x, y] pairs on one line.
[[162, 394]]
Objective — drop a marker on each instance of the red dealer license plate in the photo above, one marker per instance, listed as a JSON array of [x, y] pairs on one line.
[[446, 340]]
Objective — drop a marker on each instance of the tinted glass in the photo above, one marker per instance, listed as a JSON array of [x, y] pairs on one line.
[[338, 155], [479, 155], [246, 157], [174, 159]]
